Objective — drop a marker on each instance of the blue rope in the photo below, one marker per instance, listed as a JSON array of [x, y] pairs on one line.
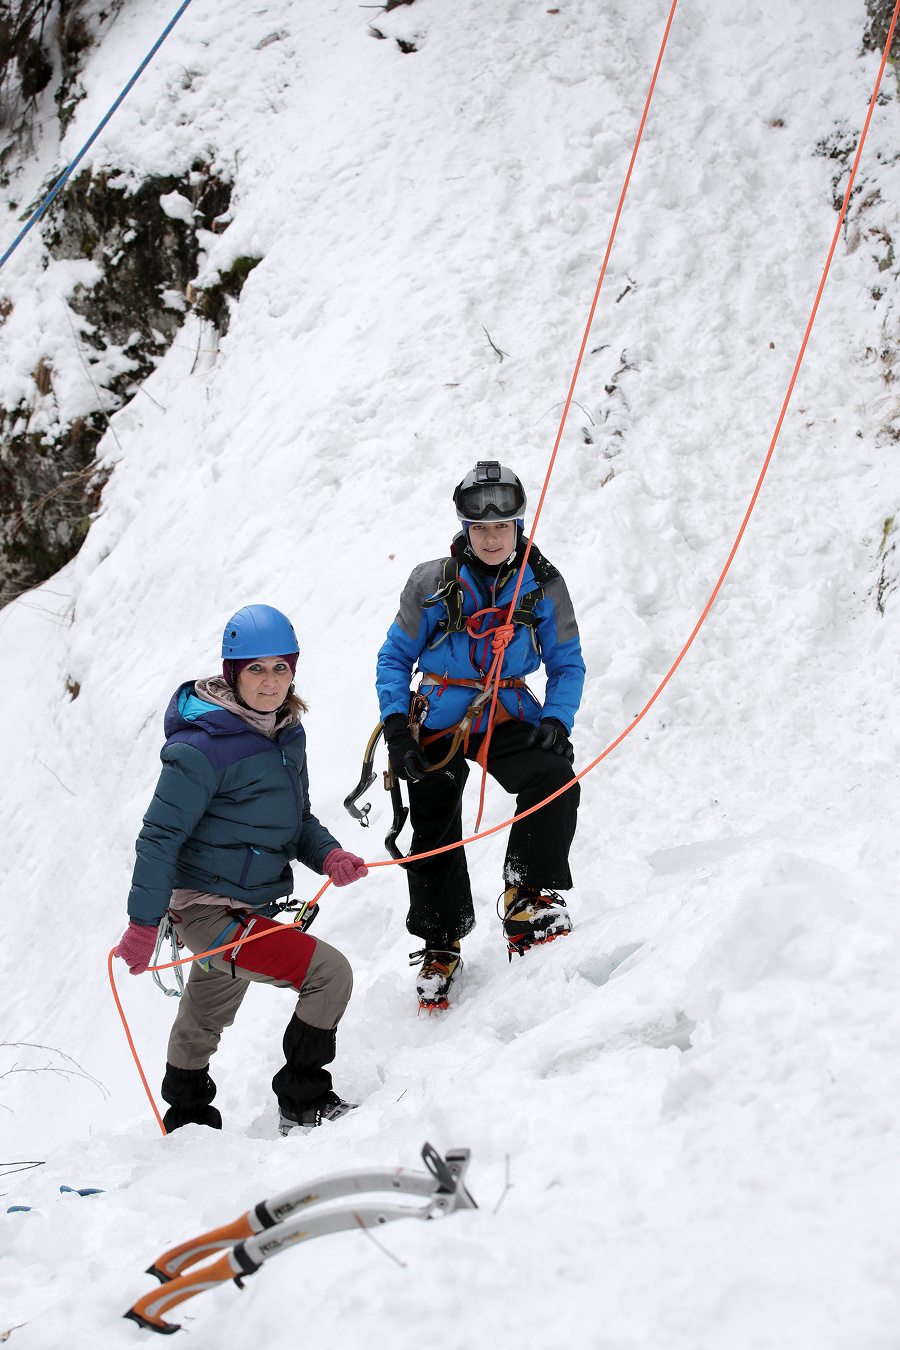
[[66, 175]]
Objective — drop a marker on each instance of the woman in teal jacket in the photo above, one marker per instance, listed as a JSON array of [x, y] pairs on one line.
[[230, 814]]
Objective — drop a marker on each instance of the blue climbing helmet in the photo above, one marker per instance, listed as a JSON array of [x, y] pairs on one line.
[[490, 492], [258, 630]]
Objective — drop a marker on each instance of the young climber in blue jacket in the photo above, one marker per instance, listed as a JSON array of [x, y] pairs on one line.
[[449, 612], [230, 814]]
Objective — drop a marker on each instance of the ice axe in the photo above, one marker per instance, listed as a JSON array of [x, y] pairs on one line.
[[274, 1225]]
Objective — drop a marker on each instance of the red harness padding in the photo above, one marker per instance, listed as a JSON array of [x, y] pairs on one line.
[[283, 954]]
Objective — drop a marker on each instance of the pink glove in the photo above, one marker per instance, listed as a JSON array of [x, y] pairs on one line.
[[136, 947], [344, 867]]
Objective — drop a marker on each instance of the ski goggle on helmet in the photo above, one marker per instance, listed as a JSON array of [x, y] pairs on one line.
[[490, 493]]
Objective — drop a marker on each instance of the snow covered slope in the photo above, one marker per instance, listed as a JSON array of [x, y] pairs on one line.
[[696, 1090]]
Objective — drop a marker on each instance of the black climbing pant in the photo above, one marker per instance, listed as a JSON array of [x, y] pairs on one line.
[[537, 853]]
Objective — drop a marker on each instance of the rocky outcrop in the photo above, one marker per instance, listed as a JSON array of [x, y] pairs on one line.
[[875, 36], [143, 239], [147, 256]]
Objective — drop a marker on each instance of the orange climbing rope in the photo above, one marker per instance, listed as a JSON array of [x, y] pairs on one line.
[[115, 994], [497, 666], [494, 829]]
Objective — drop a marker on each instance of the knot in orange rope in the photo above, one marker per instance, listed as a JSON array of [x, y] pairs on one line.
[[472, 623], [502, 637]]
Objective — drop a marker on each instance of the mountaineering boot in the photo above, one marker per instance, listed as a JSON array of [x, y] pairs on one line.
[[531, 916], [189, 1093], [435, 975], [329, 1107], [303, 1085]]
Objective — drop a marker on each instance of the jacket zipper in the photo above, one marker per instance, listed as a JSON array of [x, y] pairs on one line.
[[250, 852]]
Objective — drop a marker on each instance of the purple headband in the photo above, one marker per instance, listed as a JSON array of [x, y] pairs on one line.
[[232, 669]]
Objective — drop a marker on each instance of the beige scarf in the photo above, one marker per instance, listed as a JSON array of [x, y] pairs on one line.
[[217, 690]]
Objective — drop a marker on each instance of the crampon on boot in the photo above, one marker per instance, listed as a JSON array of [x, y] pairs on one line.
[[531, 916], [329, 1107], [435, 975]]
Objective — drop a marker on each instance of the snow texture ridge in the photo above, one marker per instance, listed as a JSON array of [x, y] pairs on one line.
[[695, 1088]]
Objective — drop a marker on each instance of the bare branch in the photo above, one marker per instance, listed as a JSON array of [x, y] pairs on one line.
[[71, 1069], [493, 343]]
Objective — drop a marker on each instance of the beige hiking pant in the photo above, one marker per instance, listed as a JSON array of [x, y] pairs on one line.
[[289, 959]]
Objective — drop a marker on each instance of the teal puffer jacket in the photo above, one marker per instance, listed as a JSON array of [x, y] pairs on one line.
[[230, 813]]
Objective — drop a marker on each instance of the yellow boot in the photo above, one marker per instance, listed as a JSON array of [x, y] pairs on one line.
[[531, 916]]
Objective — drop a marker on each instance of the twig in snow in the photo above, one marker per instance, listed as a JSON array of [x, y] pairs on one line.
[[507, 1187], [197, 353], [61, 784], [560, 404], [75, 1071], [5, 1335], [493, 343], [140, 388], [630, 287], [381, 1247], [22, 1166]]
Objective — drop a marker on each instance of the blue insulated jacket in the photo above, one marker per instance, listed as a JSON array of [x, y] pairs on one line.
[[230, 812], [418, 634]]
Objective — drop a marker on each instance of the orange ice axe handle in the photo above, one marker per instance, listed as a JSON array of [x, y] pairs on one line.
[[290, 1218], [148, 1311]]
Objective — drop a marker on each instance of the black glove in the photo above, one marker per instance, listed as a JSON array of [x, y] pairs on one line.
[[551, 735], [403, 749]]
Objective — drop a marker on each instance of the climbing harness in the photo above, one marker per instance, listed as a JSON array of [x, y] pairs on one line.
[[276, 1225], [306, 911], [458, 732], [67, 172], [529, 811], [451, 594]]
